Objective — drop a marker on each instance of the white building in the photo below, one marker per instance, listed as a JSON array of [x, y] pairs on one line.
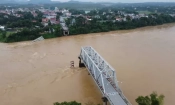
[[2, 27]]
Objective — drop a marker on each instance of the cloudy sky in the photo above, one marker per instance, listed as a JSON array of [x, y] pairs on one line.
[[124, 1]]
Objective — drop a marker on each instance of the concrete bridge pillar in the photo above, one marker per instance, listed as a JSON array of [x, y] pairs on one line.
[[105, 100], [80, 63]]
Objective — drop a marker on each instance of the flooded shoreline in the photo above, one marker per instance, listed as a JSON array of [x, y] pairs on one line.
[[115, 31], [39, 73]]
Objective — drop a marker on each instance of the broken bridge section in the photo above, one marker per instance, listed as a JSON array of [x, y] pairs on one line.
[[103, 75]]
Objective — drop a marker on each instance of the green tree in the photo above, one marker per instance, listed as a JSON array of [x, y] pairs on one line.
[[80, 21], [76, 12], [4, 34], [58, 31], [153, 99], [49, 23], [27, 15], [67, 103], [58, 17], [92, 13], [128, 18]]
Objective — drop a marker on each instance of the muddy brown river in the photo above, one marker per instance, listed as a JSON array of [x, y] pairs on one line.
[[39, 73]]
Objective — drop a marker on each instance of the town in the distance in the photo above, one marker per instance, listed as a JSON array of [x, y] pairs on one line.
[[30, 20]]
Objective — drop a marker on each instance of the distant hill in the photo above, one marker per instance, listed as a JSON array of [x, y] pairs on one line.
[[75, 4], [7, 1], [40, 1], [73, 1], [79, 2]]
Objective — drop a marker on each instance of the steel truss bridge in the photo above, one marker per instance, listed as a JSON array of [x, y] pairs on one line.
[[103, 75]]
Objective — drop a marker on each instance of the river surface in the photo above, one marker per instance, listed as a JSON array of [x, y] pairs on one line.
[[39, 73]]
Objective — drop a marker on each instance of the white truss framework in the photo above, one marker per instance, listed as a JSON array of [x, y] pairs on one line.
[[104, 76]]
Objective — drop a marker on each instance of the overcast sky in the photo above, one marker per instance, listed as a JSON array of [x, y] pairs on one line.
[[124, 1]]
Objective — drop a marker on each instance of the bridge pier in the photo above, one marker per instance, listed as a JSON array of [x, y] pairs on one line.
[[105, 100], [80, 63]]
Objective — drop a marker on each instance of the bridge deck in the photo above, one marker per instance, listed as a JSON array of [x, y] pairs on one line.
[[103, 75]]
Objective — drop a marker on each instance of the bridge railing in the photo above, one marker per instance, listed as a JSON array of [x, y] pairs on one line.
[[102, 73]]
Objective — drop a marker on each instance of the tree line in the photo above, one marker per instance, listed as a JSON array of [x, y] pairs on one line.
[[26, 19], [152, 99], [82, 26], [31, 34]]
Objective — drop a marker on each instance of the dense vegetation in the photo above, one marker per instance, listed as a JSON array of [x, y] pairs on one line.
[[26, 20], [2, 35], [26, 27], [83, 27], [67, 103], [153, 99], [27, 34]]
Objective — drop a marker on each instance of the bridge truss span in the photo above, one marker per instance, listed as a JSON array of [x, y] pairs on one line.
[[103, 75]]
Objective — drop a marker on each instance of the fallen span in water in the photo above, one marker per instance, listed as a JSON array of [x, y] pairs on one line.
[[39, 39]]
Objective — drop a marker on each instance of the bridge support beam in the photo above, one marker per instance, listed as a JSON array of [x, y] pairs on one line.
[[105, 100], [80, 63]]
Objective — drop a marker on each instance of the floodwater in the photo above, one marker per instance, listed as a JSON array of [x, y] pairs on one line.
[[39, 73]]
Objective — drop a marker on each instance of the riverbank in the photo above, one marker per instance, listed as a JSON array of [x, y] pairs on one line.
[[166, 25], [118, 31]]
